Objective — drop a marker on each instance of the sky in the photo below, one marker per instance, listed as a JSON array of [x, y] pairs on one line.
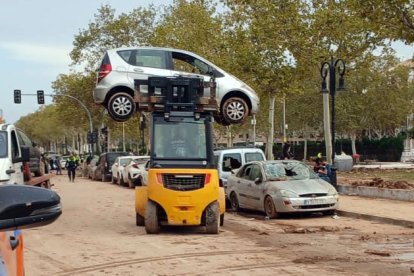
[[36, 38]]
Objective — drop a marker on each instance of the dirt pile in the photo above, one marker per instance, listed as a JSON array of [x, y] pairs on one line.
[[386, 184]]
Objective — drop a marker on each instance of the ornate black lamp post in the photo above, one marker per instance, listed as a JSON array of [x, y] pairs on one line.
[[332, 67]]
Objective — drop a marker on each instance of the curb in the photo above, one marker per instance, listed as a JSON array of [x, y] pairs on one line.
[[373, 192], [399, 222]]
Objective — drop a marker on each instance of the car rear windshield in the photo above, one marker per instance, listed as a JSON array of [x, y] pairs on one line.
[[112, 156], [3, 144], [253, 156]]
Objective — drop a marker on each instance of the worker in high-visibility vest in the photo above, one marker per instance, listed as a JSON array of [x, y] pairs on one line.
[[71, 164]]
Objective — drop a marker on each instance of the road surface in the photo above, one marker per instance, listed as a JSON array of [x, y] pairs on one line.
[[97, 235]]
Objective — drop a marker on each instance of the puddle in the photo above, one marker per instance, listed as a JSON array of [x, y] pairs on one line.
[[400, 251]]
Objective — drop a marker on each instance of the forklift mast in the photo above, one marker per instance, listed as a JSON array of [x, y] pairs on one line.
[[181, 121]]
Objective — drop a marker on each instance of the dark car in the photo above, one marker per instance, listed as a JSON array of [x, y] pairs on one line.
[[104, 164], [35, 154]]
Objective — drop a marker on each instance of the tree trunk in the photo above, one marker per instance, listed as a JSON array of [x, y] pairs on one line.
[[270, 137], [353, 138]]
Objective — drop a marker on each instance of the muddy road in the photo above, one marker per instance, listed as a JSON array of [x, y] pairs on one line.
[[97, 235]]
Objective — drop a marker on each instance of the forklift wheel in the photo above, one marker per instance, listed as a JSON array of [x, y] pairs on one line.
[[213, 218], [151, 218], [140, 220]]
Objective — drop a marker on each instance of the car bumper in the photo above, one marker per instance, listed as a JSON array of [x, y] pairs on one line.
[[306, 204], [99, 94]]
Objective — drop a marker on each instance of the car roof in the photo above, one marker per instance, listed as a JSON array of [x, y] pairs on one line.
[[236, 150]]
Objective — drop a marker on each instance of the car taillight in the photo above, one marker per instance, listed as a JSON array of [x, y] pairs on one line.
[[104, 70], [207, 179], [159, 178]]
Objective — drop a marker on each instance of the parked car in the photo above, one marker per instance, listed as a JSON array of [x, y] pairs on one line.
[[230, 159], [119, 68], [118, 168], [135, 173], [103, 170], [35, 154], [63, 160], [16, 214], [91, 167], [282, 186]]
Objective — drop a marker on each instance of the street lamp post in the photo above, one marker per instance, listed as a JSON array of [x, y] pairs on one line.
[[332, 67]]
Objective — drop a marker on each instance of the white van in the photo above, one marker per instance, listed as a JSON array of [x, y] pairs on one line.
[[11, 154], [230, 159]]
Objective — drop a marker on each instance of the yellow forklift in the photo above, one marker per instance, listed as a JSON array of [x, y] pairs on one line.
[[183, 187]]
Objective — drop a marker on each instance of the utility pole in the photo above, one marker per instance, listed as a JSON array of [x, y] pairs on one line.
[[326, 127], [284, 119]]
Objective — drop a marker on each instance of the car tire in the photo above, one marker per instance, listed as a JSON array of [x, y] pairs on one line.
[[270, 208], [213, 218], [121, 107], [121, 181], [103, 177], [329, 212], [140, 220], [234, 202], [152, 225], [113, 180], [235, 110]]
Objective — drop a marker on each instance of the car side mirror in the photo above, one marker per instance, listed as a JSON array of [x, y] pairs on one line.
[[24, 206], [258, 180]]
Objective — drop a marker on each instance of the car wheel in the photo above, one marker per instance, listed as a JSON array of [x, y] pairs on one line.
[[329, 212], [113, 180], [121, 107], [213, 218], [270, 208], [103, 177], [140, 221], [121, 180], [152, 225], [234, 202], [235, 110]]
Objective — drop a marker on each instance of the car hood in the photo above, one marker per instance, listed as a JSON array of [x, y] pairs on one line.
[[307, 186]]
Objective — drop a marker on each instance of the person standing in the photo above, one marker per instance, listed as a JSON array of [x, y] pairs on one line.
[[287, 154], [57, 163], [71, 164]]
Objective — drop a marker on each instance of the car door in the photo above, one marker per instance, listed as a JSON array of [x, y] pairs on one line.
[[186, 64], [146, 62], [242, 183], [254, 190]]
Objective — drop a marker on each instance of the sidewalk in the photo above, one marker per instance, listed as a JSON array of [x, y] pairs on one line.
[[376, 209]]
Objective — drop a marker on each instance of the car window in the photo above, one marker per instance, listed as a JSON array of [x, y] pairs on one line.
[[231, 161], [14, 144], [148, 58], [126, 55], [23, 139], [124, 161], [253, 156], [3, 144], [255, 172], [298, 171], [189, 64]]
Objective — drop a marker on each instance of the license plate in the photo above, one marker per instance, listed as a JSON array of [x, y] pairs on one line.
[[315, 201]]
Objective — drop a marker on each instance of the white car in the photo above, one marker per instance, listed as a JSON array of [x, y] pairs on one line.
[[120, 67], [136, 171], [118, 169]]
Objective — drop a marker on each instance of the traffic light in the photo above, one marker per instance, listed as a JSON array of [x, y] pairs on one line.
[[17, 96], [40, 97]]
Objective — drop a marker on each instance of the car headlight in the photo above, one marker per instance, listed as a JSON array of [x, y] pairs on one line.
[[286, 193], [332, 192]]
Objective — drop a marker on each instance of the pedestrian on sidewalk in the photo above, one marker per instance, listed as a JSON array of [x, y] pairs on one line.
[[57, 163], [71, 164]]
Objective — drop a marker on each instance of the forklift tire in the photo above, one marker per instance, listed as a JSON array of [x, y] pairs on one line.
[[151, 218], [213, 218], [121, 107], [140, 220]]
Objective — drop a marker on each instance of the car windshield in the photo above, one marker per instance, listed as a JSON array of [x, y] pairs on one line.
[[180, 140], [288, 171], [3, 144]]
